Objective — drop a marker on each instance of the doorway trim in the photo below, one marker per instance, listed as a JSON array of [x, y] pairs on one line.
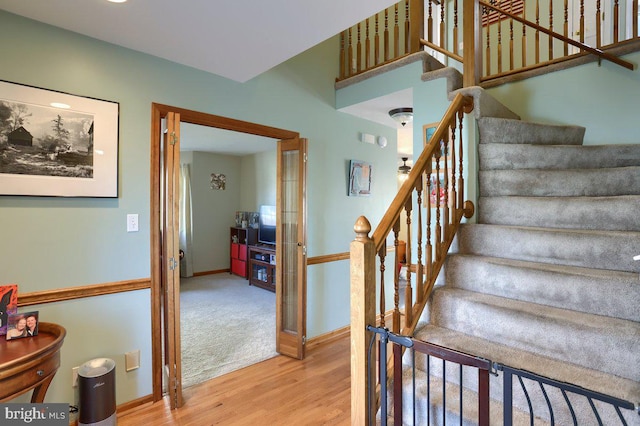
[[158, 112]]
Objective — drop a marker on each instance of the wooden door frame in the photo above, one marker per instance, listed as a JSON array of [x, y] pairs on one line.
[[158, 112]]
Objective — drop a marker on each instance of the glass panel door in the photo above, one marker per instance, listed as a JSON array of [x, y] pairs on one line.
[[291, 248]]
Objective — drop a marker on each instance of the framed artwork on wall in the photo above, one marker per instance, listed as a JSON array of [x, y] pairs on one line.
[[218, 181], [441, 171], [359, 179], [57, 144]]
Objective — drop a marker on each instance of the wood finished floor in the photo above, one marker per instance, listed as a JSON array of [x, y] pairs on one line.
[[278, 391]]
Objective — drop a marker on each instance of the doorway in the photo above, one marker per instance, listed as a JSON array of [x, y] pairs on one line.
[[290, 239], [224, 173]]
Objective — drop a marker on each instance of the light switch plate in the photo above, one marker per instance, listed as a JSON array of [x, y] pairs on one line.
[[132, 223]]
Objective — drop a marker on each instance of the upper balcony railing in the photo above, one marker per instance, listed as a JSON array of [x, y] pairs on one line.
[[505, 36]]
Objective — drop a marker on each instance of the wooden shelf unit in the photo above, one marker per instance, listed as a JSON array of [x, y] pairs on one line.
[[262, 266], [240, 239]]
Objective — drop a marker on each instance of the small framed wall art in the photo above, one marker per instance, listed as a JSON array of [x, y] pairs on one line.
[[360, 178]]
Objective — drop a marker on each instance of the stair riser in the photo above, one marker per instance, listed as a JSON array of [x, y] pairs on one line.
[[560, 183], [598, 346], [594, 213], [496, 130], [578, 292], [602, 250], [560, 157]]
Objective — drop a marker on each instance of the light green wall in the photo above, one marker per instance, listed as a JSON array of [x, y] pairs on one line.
[[251, 181], [259, 176], [51, 243], [213, 211], [602, 98]]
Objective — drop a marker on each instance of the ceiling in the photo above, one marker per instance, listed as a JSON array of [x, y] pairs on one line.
[[237, 39]]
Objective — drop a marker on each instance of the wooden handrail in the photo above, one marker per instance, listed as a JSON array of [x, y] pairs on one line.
[[366, 250], [399, 201], [439, 49], [597, 52]]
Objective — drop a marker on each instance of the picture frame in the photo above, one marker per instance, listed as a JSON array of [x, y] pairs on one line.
[[218, 181], [437, 175], [8, 304], [57, 144], [360, 178], [23, 325]]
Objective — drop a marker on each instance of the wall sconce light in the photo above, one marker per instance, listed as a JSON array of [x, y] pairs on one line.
[[402, 115]]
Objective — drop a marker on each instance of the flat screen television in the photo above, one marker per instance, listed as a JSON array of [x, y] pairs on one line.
[[267, 225]]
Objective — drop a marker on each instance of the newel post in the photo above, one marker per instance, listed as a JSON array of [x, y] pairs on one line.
[[472, 34], [363, 299]]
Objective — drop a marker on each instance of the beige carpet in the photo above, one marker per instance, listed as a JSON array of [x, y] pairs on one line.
[[225, 324]]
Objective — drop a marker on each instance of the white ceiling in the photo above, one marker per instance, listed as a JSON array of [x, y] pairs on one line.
[[236, 39]]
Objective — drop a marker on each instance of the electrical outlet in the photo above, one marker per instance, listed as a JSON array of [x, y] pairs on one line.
[[132, 223], [74, 377], [132, 360]]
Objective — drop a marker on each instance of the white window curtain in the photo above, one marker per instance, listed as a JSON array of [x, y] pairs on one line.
[[186, 237]]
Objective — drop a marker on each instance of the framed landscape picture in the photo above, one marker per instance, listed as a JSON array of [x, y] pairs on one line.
[[57, 144]]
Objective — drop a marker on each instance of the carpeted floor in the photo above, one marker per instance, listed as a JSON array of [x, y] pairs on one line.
[[226, 324]]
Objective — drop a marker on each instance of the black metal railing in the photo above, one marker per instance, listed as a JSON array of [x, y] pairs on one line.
[[437, 386], [566, 403]]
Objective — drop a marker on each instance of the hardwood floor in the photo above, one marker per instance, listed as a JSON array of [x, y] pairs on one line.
[[278, 391]]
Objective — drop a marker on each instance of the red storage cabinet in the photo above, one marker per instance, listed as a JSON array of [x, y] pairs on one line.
[[240, 240]]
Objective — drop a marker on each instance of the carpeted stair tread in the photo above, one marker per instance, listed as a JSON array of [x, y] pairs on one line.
[[453, 77], [615, 213], [591, 341], [484, 104], [612, 250], [587, 378], [553, 183], [556, 157], [508, 131], [595, 291]]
